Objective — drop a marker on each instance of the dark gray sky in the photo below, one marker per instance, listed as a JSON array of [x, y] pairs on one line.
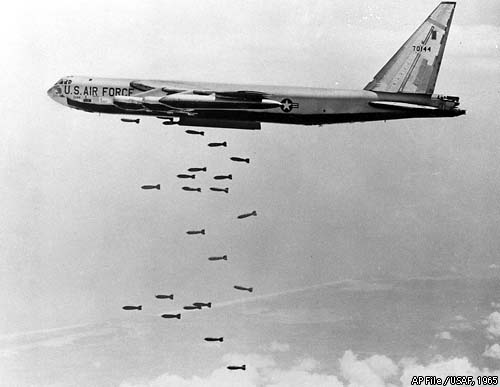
[[374, 243]]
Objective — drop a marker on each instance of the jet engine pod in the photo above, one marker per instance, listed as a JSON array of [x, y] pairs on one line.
[[128, 103]]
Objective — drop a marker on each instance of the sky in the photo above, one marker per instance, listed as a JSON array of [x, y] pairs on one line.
[[374, 256]]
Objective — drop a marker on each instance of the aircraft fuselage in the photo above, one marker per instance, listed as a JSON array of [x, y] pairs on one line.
[[403, 88], [298, 105]]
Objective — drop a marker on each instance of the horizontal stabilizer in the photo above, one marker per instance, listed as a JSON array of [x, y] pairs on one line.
[[400, 105]]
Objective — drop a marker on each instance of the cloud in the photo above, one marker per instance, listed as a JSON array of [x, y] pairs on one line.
[[261, 371], [493, 351], [373, 371], [442, 368], [369, 372], [307, 364], [254, 360], [493, 323]]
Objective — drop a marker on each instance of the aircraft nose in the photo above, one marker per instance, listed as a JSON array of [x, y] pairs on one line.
[[50, 92], [54, 91]]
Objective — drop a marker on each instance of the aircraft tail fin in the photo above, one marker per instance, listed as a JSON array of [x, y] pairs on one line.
[[415, 66]]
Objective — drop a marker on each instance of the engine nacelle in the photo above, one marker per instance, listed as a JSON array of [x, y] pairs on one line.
[[128, 103]]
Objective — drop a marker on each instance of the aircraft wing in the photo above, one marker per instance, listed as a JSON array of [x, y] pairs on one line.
[[175, 97], [181, 104]]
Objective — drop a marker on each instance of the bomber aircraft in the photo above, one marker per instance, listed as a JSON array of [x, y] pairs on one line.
[[403, 88]]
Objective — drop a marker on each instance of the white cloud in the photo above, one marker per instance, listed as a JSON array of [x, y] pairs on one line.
[[374, 371], [218, 378], [444, 335], [254, 360], [261, 371], [307, 364], [493, 351], [279, 347], [440, 367], [493, 322], [304, 374], [298, 378], [369, 372]]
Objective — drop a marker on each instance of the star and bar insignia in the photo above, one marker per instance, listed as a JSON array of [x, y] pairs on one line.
[[288, 105]]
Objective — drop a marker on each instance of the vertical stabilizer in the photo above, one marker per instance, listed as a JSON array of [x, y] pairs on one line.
[[414, 68]]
